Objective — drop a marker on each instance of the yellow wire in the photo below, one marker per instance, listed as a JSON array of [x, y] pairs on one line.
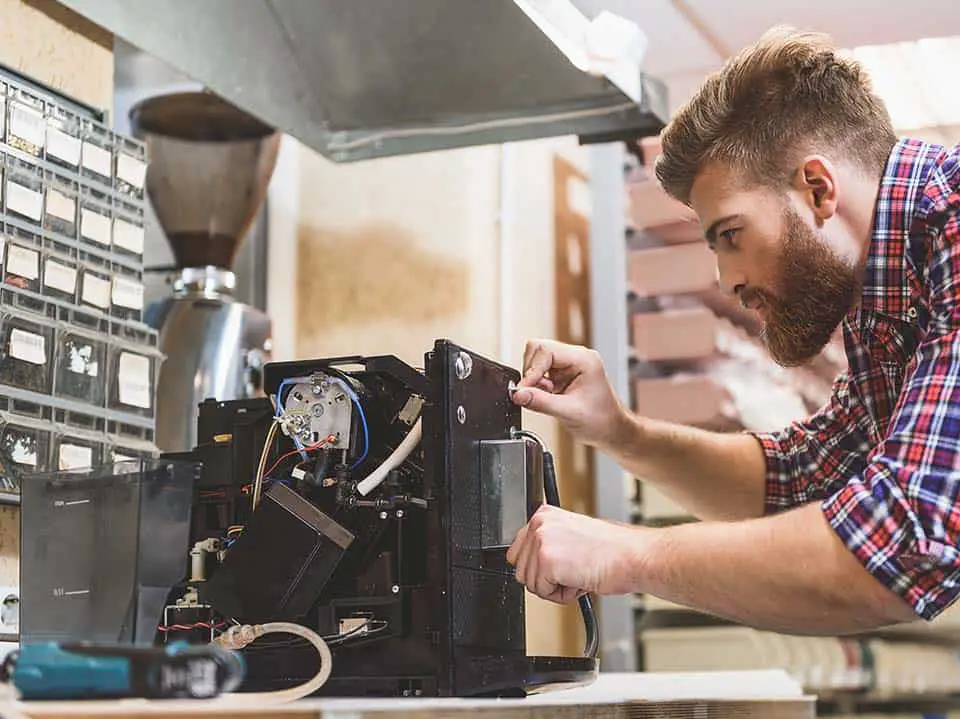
[[258, 482]]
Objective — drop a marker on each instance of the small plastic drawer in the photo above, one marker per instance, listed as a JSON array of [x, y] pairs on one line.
[[61, 278], [125, 433], [131, 168], [81, 368], [132, 451], [95, 288], [96, 218], [26, 354], [96, 153], [64, 141], [25, 127], [133, 376], [61, 205], [71, 453], [22, 267], [23, 190], [27, 447], [135, 333], [129, 230], [87, 320], [126, 297]]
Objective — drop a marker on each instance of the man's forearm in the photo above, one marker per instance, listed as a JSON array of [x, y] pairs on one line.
[[786, 573], [712, 475]]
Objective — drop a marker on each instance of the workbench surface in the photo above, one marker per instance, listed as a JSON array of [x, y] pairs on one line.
[[714, 694]]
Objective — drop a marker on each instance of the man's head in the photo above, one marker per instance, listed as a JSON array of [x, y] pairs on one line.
[[779, 154]]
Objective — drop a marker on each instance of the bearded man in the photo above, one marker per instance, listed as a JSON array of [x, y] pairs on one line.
[[820, 218]]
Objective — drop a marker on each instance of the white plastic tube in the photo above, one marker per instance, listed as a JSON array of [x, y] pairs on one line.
[[396, 458], [241, 636]]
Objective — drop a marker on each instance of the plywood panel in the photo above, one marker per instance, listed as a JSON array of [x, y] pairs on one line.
[[57, 47]]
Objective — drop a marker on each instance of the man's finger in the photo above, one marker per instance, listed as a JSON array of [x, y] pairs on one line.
[[523, 563], [513, 552], [536, 367], [538, 400]]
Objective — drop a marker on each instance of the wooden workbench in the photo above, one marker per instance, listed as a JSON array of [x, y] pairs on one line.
[[766, 694]]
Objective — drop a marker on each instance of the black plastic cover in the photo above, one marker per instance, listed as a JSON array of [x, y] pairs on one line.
[[280, 563]]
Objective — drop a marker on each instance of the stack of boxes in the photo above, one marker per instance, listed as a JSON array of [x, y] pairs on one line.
[[78, 366]]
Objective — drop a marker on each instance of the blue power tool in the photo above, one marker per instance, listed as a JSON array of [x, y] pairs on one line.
[[96, 671]]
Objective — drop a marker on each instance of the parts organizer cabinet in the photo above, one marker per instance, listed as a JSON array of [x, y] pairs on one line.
[[78, 367]]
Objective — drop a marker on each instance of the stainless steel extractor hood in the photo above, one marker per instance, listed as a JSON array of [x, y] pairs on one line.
[[356, 79]]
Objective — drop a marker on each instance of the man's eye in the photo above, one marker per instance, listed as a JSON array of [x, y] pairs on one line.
[[728, 237]]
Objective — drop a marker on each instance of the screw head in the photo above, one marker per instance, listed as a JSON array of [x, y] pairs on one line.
[[317, 410], [461, 414], [395, 589], [383, 515], [399, 514], [463, 365]]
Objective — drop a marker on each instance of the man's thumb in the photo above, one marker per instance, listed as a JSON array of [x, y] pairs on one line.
[[536, 399]]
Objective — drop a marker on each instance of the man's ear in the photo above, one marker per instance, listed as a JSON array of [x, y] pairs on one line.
[[817, 183]]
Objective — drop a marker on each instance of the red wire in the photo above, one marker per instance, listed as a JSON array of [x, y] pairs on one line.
[[318, 445], [187, 627]]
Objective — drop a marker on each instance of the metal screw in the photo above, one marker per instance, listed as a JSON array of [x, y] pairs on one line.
[[395, 589], [383, 515], [317, 389], [399, 514], [463, 365], [461, 414], [317, 410]]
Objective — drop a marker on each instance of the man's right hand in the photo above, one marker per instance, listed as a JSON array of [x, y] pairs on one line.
[[569, 383]]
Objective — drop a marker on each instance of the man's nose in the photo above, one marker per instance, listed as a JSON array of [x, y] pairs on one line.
[[731, 278]]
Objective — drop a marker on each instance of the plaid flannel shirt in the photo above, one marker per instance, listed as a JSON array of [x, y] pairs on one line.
[[883, 455]]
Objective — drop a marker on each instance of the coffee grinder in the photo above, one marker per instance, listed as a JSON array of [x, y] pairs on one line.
[[209, 167]]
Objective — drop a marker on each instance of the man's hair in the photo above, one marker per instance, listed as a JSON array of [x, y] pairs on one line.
[[788, 94]]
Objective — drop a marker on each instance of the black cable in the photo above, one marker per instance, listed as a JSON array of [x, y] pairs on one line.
[[552, 495]]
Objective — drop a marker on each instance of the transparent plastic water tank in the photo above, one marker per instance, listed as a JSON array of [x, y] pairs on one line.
[[101, 549]]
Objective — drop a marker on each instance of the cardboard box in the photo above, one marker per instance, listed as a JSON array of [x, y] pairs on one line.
[[678, 269]]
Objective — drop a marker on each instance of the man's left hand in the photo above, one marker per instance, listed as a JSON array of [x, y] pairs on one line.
[[560, 555]]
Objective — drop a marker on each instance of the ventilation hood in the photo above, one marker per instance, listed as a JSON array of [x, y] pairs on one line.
[[357, 79]]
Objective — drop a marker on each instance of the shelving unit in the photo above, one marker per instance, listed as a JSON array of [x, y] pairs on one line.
[[78, 366], [677, 349]]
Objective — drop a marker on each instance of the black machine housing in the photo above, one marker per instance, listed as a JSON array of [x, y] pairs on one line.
[[408, 583]]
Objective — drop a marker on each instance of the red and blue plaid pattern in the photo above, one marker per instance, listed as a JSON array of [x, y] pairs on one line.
[[883, 456]]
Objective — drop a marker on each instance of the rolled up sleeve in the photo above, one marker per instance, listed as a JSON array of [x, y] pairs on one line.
[[806, 460]]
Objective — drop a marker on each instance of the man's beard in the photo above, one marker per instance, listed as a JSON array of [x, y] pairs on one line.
[[815, 289]]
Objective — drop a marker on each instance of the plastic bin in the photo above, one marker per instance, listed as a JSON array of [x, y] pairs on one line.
[[81, 368], [133, 374], [60, 278], [24, 449], [72, 452], [96, 153], [131, 167], [95, 288], [129, 232], [26, 353], [126, 297], [25, 127], [96, 225], [23, 190], [63, 137], [101, 550], [61, 205]]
